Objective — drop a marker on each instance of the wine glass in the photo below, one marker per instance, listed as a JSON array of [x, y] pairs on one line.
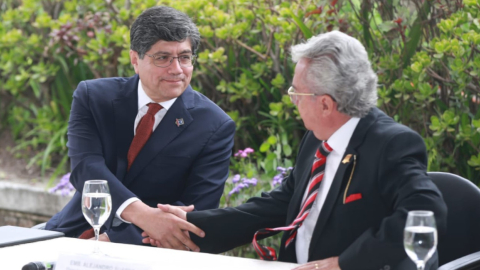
[[420, 237], [96, 205]]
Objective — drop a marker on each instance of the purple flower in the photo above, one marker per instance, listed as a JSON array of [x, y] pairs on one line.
[[248, 150], [234, 190], [240, 152], [64, 186], [244, 153], [241, 184], [252, 181], [277, 179], [236, 178]]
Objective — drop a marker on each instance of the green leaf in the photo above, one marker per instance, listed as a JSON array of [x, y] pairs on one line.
[[272, 140], [307, 33], [264, 147], [414, 37], [287, 150]]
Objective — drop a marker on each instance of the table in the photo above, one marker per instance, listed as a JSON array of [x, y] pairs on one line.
[[14, 257]]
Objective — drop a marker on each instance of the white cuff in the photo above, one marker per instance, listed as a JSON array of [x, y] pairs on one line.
[[123, 206]]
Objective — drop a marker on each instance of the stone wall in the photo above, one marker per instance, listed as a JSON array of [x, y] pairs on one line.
[[25, 206], [21, 219]]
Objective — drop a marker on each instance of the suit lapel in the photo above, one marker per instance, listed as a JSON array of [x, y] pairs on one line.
[[166, 131], [335, 190], [125, 109]]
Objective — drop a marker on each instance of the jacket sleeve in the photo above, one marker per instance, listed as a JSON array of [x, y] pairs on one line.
[[86, 152]]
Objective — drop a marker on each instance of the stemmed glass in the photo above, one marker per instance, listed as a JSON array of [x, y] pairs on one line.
[[96, 206], [420, 237]]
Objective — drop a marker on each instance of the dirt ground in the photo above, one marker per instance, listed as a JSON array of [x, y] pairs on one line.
[[15, 169]]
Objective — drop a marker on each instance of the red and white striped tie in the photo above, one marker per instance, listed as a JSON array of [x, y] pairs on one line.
[[318, 169]]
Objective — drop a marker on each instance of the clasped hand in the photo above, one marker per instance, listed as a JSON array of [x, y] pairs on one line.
[[168, 228]]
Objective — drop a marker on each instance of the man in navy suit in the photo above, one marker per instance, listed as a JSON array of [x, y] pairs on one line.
[[357, 174], [185, 160]]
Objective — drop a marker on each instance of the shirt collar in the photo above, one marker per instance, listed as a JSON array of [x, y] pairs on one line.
[[340, 138], [143, 99]]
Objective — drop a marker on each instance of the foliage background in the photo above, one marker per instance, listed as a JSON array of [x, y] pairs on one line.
[[426, 54]]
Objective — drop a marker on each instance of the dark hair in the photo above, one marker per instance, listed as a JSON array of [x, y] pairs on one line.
[[162, 23]]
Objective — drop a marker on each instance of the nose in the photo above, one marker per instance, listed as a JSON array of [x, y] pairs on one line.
[[175, 67]]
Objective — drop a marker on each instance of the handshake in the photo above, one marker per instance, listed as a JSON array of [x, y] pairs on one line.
[[167, 227]]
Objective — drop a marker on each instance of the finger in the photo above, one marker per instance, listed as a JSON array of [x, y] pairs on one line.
[[164, 244], [145, 234], [146, 240], [155, 243], [186, 241], [176, 210], [188, 208], [176, 243], [163, 207], [187, 226]]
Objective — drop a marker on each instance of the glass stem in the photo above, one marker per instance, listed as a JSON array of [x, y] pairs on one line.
[[421, 265], [97, 234]]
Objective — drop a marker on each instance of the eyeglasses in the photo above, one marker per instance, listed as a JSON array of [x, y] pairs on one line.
[[294, 96], [166, 60]]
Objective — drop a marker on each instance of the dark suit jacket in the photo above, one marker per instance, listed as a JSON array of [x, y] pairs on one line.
[[387, 167], [179, 165]]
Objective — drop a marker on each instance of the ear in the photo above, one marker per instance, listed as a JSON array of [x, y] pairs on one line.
[[134, 60], [327, 105]]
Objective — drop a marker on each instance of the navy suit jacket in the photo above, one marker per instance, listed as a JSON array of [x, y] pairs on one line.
[[381, 177], [179, 165]]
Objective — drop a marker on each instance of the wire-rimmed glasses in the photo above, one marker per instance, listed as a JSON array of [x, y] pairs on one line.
[[160, 60], [294, 95]]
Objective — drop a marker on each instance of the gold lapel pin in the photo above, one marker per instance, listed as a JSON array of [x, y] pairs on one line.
[[347, 158]]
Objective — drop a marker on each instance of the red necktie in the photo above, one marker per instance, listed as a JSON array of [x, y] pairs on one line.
[[144, 131], [318, 169]]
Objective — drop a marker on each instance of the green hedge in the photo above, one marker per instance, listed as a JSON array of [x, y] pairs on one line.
[[426, 55]]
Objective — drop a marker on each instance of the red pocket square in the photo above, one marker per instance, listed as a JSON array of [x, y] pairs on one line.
[[353, 197]]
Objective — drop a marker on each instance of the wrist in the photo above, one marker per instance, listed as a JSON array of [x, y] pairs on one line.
[[135, 211]]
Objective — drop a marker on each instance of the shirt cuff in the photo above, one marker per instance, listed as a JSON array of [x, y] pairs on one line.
[[123, 206]]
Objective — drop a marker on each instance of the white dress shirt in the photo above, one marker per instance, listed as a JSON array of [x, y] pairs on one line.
[[143, 100], [338, 141]]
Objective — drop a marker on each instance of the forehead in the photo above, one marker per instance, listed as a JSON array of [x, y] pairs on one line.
[[300, 76], [171, 47]]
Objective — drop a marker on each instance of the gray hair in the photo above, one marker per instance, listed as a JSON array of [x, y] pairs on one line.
[[162, 23], [339, 67]]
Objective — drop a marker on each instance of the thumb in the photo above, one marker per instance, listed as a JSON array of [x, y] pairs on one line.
[[189, 208], [164, 207]]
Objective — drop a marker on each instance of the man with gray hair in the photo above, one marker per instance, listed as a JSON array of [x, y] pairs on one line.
[[357, 174], [151, 136]]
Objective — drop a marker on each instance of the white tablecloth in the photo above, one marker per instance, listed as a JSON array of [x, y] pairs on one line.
[[14, 257]]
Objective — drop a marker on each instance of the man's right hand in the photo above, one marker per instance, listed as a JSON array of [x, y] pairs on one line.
[[168, 228]]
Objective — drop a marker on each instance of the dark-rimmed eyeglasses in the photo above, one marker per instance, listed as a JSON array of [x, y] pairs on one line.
[[166, 60]]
